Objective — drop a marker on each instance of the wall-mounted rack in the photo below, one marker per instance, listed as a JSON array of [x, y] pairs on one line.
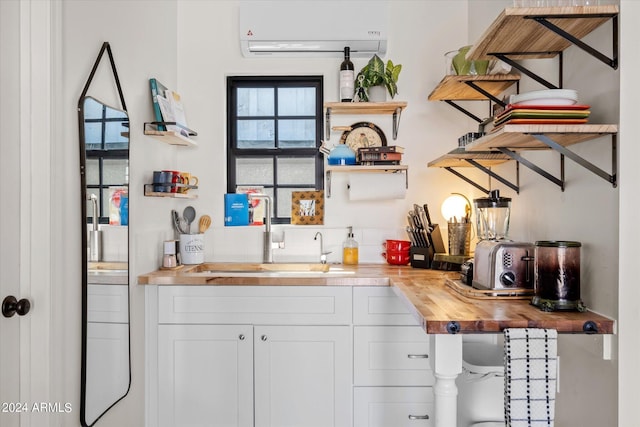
[[392, 108], [148, 191], [172, 137]]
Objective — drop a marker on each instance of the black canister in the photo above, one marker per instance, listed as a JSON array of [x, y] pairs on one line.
[[557, 276]]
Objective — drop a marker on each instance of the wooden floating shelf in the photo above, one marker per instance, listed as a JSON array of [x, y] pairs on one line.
[[455, 88], [359, 168], [458, 158], [365, 107], [148, 191], [521, 137], [170, 137], [514, 31]]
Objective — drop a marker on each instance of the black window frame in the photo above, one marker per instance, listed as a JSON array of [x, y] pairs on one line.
[[103, 154], [233, 152]]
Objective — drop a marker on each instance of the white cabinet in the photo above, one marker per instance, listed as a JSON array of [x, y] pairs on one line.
[[205, 375], [392, 372], [302, 376], [249, 355]]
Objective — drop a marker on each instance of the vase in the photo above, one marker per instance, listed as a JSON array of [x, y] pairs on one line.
[[377, 93]]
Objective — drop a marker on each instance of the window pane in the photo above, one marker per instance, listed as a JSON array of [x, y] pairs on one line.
[[256, 134], [92, 172], [92, 109], [115, 135], [296, 133], [93, 135], [254, 171], [255, 102], [114, 171], [296, 101], [296, 171]]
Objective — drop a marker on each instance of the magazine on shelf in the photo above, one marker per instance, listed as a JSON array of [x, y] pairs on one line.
[[176, 107], [157, 88]]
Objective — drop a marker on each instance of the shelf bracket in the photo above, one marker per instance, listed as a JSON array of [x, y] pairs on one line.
[[396, 122], [516, 156], [488, 171], [327, 126], [612, 62], [611, 178], [466, 112], [524, 70], [485, 93]]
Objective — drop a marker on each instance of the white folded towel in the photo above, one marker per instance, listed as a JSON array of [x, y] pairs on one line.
[[530, 371]]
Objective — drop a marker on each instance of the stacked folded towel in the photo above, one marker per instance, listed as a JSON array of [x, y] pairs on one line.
[[530, 376]]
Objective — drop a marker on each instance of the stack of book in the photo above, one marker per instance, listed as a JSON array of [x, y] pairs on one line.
[[167, 107], [383, 155], [541, 114]]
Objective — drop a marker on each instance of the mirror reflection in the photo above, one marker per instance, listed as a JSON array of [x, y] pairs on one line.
[[104, 140]]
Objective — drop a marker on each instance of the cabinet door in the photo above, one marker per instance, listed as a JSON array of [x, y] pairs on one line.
[[205, 375], [302, 376]]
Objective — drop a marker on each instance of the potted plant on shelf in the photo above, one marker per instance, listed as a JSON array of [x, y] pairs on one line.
[[375, 78]]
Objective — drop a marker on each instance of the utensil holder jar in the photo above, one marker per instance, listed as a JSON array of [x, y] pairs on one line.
[[459, 238]]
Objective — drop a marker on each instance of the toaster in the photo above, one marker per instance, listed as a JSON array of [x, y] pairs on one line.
[[503, 264]]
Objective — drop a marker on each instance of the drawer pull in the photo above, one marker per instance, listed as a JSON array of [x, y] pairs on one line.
[[418, 417], [418, 356], [263, 337], [241, 337]]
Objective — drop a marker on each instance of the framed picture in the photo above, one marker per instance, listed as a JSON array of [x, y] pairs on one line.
[[307, 207]]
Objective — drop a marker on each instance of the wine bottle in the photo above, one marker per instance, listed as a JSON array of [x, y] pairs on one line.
[[347, 77]]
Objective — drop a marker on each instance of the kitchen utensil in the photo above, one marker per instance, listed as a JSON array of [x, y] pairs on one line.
[[205, 223], [176, 223], [189, 214], [492, 216], [412, 238]]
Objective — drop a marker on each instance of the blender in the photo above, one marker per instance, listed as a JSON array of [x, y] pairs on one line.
[[499, 263]]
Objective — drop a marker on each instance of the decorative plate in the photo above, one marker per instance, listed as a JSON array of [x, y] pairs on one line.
[[362, 135]]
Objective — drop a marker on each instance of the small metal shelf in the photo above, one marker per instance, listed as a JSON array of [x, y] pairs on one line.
[[148, 191], [393, 108], [358, 169], [182, 138]]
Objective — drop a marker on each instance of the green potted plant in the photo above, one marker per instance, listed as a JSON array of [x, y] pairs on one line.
[[375, 74]]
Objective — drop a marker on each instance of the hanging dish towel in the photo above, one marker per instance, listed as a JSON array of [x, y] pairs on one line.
[[530, 371]]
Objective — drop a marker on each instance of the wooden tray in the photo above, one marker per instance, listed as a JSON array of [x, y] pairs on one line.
[[470, 292]]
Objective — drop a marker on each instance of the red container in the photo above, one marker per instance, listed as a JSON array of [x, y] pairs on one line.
[[397, 257], [397, 245]]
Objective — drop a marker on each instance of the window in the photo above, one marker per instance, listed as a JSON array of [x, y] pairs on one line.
[[106, 135], [274, 131]]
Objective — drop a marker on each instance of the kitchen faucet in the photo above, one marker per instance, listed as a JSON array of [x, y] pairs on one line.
[[323, 254], [267, 244]]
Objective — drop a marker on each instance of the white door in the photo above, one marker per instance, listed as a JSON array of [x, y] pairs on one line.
[[302, 376], [25, 82]]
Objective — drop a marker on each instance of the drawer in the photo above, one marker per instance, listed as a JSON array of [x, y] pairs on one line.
[[393, 407], [282, 305], [391, 356], [379, 306], [108, 303]]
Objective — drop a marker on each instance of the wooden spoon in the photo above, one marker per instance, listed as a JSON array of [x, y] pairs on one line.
[[205, 223]]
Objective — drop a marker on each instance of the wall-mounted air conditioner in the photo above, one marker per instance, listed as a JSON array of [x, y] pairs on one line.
[[313, 28]]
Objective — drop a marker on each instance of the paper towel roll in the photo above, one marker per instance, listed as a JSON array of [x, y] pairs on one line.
[[377, 186]]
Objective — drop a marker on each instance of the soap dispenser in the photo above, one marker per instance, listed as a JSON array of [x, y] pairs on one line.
[[350, 249]]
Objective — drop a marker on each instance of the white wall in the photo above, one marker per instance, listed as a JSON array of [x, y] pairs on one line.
[[192, 46]]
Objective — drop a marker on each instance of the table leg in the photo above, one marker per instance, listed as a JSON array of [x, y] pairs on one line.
[[447, 365]]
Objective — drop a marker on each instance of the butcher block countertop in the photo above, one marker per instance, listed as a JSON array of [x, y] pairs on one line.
[[439, 308]]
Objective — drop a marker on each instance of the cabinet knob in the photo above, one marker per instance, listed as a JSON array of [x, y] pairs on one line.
[[418, 417], [11, 306], [263, 337], [241, 337], [418, 356]]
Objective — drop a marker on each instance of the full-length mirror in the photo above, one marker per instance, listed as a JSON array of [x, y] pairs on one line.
[[104, 173]]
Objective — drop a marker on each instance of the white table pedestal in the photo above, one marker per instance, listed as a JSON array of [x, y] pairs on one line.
[[447, 365]]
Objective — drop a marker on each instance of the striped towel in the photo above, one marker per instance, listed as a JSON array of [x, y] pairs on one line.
[[530, 371]]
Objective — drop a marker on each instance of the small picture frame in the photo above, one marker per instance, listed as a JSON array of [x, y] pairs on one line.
[[307, 207]]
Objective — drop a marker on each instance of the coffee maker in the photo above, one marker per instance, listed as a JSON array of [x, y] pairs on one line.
[[499, 263]]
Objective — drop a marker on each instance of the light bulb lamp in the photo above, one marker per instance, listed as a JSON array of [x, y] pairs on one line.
[[456, 208]]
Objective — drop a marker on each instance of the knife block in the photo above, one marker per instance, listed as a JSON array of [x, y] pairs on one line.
[[420, 257]]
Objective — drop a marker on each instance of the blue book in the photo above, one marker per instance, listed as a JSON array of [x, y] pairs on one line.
[[157, 88], [236, 209]]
